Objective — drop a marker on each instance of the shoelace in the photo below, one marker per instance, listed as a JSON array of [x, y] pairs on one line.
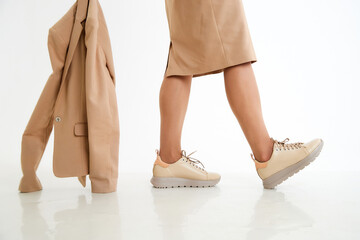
[[192, 160], [283, 145], [287, 146]]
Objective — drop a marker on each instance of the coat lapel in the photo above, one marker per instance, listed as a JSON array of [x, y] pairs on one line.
[[77, 29]]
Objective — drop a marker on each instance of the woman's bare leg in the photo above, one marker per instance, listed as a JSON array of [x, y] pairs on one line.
[[244, 99], [174, 98]]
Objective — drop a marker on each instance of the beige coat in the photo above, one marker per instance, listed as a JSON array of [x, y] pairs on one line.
[[207, 36], [79, 101]]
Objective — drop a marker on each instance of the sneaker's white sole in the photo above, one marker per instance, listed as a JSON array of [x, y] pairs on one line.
[[162, 182], [279, 177]]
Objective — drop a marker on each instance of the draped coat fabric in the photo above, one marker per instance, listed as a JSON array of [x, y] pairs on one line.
[[79, 102], [207, 36]]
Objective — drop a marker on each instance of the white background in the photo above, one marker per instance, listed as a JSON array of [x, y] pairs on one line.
[[307, 71], [308, 75]]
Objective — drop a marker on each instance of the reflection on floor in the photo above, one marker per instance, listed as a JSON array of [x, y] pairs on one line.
[[311, 206]]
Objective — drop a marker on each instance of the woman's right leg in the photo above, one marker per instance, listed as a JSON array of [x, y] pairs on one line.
[[173, 99], [185, 172]]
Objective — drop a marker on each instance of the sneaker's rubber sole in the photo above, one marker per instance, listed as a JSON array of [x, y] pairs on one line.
[[279, 177], [162, 182]]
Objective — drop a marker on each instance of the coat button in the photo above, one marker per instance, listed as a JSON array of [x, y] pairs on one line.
[[58, 119]]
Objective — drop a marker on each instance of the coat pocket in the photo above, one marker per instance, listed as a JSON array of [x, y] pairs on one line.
[[81, 129]]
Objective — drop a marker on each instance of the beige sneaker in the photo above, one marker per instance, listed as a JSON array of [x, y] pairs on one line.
[[286, 160], [185, 172]]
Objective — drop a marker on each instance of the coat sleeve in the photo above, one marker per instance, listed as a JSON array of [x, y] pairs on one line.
[[40, 125]]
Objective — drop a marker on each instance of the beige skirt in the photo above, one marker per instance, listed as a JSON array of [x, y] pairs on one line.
[[206, 36]]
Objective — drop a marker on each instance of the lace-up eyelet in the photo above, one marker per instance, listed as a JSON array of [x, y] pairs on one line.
[[191, 160], [283, 145]]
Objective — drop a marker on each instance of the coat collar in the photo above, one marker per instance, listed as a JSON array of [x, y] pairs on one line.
[[81, 11]]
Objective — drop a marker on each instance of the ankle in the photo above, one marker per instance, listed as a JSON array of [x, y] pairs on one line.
[[263, 157], [265, 153], [170, 157]]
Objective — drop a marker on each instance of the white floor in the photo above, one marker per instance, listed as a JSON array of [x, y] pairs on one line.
[[310, 205]]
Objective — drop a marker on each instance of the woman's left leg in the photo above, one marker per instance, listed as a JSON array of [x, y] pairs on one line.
[[244, 99], [275, 161]]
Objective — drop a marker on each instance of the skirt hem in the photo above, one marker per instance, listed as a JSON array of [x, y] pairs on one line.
[[211, 71]]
